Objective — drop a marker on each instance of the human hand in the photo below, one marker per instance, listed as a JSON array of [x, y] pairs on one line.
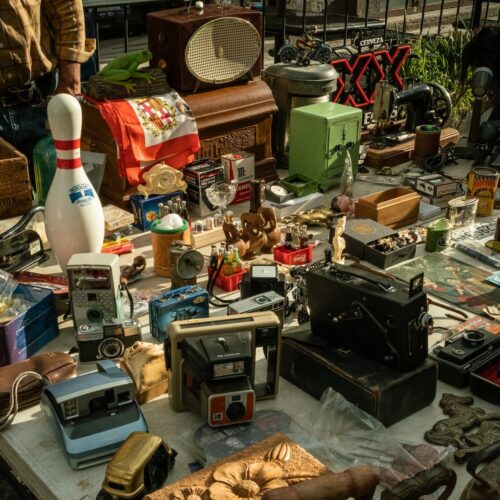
[[69, 78]]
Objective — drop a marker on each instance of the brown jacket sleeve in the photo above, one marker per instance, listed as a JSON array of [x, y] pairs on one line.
[[67, 23]]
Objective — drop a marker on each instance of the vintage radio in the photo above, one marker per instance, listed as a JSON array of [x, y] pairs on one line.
[[265, 330], [215, 47], [359, 310]]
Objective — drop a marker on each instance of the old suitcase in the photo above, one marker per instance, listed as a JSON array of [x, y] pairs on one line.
[[237, 118], [217, 54], [376, 388]]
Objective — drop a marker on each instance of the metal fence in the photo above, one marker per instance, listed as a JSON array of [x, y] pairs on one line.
[[340, 19]]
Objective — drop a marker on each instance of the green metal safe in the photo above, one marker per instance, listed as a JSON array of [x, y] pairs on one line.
[[320, 136]]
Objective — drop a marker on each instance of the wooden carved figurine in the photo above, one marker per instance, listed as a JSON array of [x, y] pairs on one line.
[[162, 179], [270, 227], [338, 242], [233, 234], [252, 233]]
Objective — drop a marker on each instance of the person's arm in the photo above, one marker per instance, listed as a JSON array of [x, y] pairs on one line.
[[67, 23]]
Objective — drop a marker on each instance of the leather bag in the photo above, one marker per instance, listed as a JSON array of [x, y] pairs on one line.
[[54, 366]]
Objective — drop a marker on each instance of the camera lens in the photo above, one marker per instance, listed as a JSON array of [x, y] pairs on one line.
[[235, 411], [94, 315], [473, 337], [111, 348]]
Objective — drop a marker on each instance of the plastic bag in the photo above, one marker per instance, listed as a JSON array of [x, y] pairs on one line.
[[7, 287], [343, 436]]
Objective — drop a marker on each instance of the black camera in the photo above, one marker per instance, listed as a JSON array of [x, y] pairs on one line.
[[216, 377], [261, 279], [359, 310], [457, 356], [106, 340]]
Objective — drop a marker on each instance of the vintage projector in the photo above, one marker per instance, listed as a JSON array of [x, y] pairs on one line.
[[93, 414], [212, 363], [359, 310]]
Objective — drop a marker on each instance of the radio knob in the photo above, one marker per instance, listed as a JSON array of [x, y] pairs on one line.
[[235, 411]]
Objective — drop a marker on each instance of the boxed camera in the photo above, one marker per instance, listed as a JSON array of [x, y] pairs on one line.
[[239, 167], [377, 243], [24, 334], [107, 340], [267, 301], [146, 210], [212, 365], [459, 355], [436, 185], [217, 371], [485, 379], [384, 319], [186, 302], [263, 278], [200, 175]]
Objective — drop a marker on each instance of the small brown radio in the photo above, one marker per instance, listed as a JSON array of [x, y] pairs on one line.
[[205, 50]]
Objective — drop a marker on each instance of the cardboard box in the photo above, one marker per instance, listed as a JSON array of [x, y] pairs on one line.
[[239, 167], [116, 218], [24, 335], [200, 175], [436, 185], [146, 209]]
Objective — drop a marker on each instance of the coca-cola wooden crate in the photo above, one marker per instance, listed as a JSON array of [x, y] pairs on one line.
[[15, 190]]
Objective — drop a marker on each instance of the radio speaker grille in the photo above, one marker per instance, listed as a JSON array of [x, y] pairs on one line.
[[223, 50]]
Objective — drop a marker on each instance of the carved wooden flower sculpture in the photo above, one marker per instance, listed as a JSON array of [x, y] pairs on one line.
[[191, 493], [237, 480]]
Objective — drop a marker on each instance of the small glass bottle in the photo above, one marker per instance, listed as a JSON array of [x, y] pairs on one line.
[[184, 211], [288, 237], [304, 236], [236, 261], [169, 207], [214, 257], [175, 208], [295, 238], [161, 210], [227, 268]]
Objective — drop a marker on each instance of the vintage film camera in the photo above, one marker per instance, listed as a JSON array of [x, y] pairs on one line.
[[263, 278], [140, 466], [267, 301], [93, 414], [107, 340], [359, 310], [93, 282], [216, 375], [264, 329], [462, 353]]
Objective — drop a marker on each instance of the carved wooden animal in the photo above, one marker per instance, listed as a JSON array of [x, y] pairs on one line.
[[233, 234], [270, 227], [252, 233]]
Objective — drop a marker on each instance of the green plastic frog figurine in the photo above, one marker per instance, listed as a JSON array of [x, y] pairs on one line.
[[125, 67]]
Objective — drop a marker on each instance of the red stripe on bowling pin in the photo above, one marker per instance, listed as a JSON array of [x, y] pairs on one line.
[[68, 154]]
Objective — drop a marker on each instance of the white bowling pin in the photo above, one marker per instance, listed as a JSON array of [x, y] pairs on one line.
[[74, 218]]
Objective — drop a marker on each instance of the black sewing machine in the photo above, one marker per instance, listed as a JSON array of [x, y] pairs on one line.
[[21, 248], [426, 103]]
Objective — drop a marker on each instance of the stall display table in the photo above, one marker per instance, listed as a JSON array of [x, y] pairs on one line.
[[30, 448]]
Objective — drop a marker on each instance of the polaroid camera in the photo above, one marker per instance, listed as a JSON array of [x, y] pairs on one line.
[[93, 414]]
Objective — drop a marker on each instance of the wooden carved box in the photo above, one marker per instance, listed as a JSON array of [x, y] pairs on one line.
[[237, 118]]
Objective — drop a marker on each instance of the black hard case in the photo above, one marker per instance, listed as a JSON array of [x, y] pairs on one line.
[[382, 391], [458, 375], [485, 388]]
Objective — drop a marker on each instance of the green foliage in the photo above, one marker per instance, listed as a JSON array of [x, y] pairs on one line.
[[438, 59]]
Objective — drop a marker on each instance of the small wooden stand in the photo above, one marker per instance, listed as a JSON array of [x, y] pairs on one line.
[[388, 157]]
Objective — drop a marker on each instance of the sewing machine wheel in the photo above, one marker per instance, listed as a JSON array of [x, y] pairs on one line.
[[440, 112]]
